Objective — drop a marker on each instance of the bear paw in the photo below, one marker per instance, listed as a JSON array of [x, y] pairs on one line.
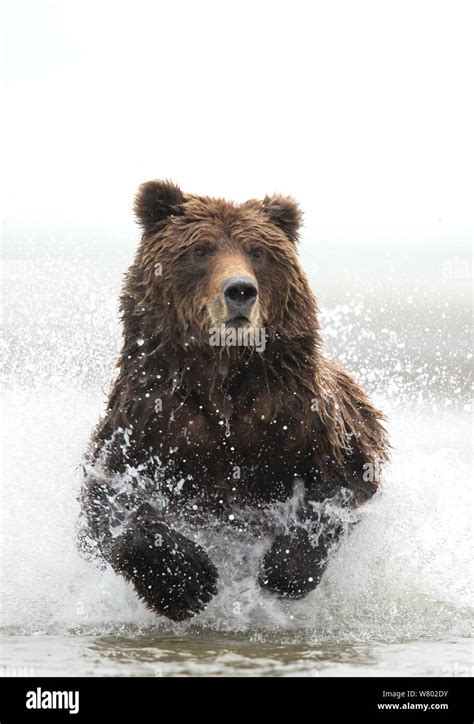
[[292, 567], [172, 575]]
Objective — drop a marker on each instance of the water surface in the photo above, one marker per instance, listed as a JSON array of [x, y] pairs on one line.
[[397, 597]]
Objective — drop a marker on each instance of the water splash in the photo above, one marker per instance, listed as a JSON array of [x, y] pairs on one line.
[[401, 574]]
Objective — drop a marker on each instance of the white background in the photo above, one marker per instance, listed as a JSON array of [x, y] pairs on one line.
[[361, 110]]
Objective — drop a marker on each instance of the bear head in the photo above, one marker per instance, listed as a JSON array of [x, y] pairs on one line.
[[205, 263]]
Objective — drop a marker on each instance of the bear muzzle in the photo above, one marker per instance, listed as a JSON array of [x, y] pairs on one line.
[[240, 295]]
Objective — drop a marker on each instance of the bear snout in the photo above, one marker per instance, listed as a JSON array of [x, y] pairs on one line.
[[240, 294]]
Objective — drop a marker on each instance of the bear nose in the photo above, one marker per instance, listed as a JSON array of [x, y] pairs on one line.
[[240, 294]]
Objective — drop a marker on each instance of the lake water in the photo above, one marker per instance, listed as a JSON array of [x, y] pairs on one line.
[[397, 598]]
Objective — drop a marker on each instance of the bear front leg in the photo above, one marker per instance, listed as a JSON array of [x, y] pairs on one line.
[[171, 574], [295, 562]]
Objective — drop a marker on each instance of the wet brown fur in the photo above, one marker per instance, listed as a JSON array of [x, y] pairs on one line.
[[167, 311], [168, 301]]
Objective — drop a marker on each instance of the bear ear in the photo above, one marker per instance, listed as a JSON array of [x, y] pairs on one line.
[[156, 201], [285, 213]]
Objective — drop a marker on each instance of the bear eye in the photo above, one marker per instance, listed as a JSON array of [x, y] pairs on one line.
[[200, 251], [256, 252]]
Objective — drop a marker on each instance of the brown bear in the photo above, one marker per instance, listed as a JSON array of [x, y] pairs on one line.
[[223, 405]]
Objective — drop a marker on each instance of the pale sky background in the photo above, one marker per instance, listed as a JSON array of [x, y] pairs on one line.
[[361, 110]]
